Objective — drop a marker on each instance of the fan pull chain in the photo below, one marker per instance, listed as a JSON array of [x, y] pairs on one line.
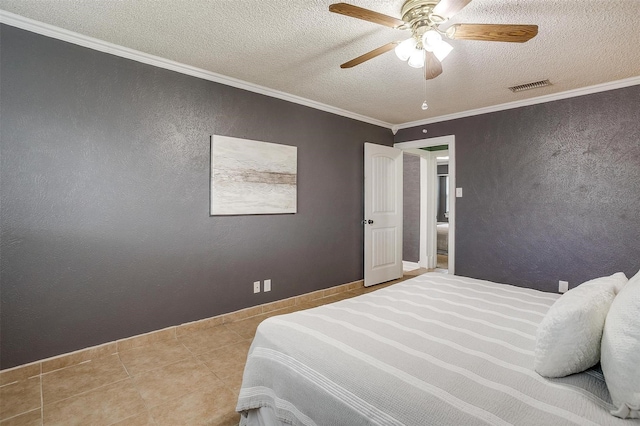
[[424, 104]]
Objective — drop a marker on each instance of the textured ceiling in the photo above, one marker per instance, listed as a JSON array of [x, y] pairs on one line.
[[296, 47]]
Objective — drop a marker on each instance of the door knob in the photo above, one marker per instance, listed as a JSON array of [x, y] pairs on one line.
[[369, 221]]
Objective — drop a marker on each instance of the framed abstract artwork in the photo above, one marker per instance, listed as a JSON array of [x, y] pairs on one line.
[[252, 177]]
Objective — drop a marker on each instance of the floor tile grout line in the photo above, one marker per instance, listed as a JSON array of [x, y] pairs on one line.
[[199, 362], [213, 372], [192, 354], [164, 365], [86, 392], [157, 367], [195, 354], [86, 361], [188, 349], [126, 370], [19, 414], [203, 386], [39, 376], [81, 393], [223, 385], [146, 406], [234, 332], [135, 415]]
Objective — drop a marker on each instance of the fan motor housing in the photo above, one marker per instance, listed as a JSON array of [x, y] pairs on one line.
[[419, 16]]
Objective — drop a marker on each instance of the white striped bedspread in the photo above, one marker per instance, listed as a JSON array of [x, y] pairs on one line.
[[433, 350]]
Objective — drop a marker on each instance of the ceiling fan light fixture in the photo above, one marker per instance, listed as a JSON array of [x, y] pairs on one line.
[[442, 50], [431, 40], [405, 49], [417, 59], [426, 48]]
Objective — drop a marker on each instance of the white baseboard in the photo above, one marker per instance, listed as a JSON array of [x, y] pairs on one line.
[[409, 266]]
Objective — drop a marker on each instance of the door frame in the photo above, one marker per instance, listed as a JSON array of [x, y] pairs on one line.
[[428, 181]]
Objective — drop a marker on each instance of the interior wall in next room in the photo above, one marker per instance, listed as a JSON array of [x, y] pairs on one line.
[[104, 202], [443, 171], [411, 212], [550, 191]]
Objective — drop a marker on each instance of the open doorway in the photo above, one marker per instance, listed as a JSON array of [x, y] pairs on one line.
[[442, 209], [429, 150]]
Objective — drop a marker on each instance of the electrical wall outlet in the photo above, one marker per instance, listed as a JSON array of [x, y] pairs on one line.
[[563, 286], [256, 286], [267, 285]]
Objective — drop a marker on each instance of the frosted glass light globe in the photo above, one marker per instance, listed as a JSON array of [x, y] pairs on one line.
[[430, 40], [417, 59], [405, 49]]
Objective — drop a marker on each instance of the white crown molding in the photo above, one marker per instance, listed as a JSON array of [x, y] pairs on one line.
[[47, 30], [632, 81], [52, 31]]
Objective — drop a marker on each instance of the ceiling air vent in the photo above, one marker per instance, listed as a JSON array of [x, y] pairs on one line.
[[529, 86]]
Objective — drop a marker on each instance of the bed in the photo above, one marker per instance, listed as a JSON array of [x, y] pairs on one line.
[[433, 350], [442, 232]]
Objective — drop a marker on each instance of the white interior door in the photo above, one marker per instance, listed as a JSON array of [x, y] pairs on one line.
[[383, 214]]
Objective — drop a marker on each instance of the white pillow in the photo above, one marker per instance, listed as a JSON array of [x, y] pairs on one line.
[[568, 338], [621, 350]]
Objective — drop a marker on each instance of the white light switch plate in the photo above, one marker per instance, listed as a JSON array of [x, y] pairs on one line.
[[563, 286], [256, 286], [458, 192], [267, 285]]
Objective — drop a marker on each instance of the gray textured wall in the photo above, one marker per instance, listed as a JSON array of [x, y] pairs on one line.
[[551, 191], [442, 169], [411, 209], [104, 199]]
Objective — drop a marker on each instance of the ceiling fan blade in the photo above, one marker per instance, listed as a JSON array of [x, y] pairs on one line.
[[369, 55], [432, 66], [366, 14], [492, 32], [448, 8]]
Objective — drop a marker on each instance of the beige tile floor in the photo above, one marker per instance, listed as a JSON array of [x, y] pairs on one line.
[[443, 261], [193, 379]]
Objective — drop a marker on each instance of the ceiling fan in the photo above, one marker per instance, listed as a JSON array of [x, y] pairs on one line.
[[426, 48]]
